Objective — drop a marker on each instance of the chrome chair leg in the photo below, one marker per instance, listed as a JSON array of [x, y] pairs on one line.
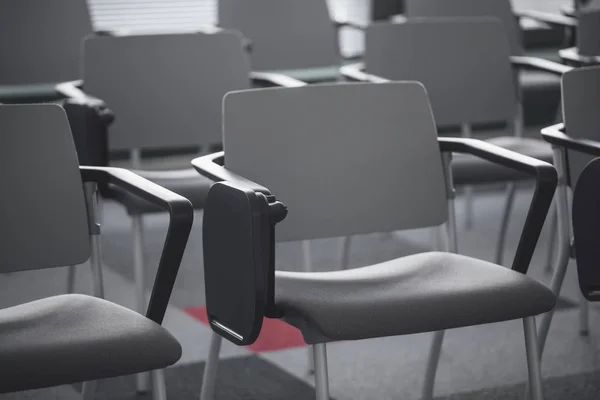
[[552, 240], [469, 208], [432, 365], [321, 375], [71, 279], [159, 387], [346, 246], [88, 390], [210, 368], [584, 316], [533, 359], [137, 231], [563, 245], [511, 190], [307, 262]]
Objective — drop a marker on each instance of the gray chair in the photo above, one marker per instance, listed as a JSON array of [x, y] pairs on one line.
[[166, 92], [40, 46], [360, 190], [575, 143], [461, 62], [539, 90], [294, 38], [49, 218]]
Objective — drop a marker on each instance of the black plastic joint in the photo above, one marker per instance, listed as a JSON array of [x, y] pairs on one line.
[[277, 212]]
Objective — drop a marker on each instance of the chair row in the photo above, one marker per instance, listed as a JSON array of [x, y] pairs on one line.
[[51, 214], [300, 39]]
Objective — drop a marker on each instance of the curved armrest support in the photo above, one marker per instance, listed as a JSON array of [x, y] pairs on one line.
[[355, 72], [554, 135], [546, 179], [212, 167], [181, 217], [539, 64]]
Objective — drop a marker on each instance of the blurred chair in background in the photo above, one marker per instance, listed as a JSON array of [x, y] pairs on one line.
[[460, 61], [294, 38], [49, 35]]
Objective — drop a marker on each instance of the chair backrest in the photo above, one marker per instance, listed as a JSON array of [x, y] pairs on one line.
[[285, 34], [580, 100], [501, 9], [166, 90], [588, 32], [40, 41], [463, 63], [43, 220], [345, 158], [586, 230]]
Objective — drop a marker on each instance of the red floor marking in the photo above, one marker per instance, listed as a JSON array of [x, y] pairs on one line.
[[275, 334]]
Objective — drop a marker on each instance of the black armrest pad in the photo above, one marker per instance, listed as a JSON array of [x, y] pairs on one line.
[[555, 136], [355, 72], [212, 167], [29, 93], [539, 64], [276, 79], [546, 180], [181, 215]]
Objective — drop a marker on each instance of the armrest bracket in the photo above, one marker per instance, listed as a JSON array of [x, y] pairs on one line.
[[181, 215], [546, 181]]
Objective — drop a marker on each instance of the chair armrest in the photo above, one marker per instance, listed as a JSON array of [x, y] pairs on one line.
[[74, 90], [355, 72], [546, 179], [181, 217], [348, 24], [540, 64], [555, 135], [212, 167], [557, 20], [572, 56], [276, 79], [29, 93]]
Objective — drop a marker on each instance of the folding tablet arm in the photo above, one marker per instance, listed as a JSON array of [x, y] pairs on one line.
[[239, 252]]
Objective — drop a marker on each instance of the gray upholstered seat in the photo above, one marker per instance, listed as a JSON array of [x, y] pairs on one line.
[[186, 182], [467, 169], [419, 293], [73, 338]]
